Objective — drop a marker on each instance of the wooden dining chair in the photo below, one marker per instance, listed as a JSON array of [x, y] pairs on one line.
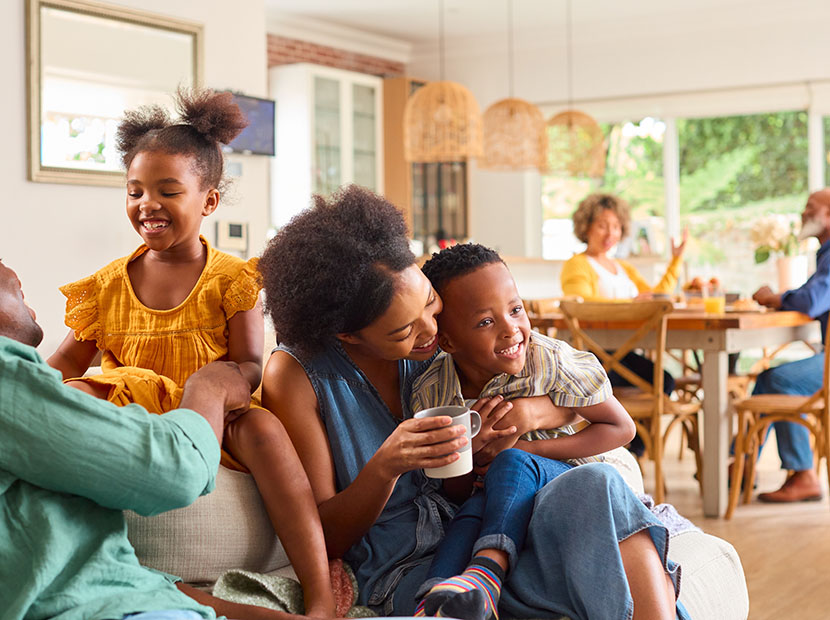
[[539, 310], [689, 383], [645, 400], [756, 413]]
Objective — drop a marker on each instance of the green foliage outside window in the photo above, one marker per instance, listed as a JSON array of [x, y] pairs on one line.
[[733, 170]]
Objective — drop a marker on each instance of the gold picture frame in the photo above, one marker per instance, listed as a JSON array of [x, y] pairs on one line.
[[86, 63]]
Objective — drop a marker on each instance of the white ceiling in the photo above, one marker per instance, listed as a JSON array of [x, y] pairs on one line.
[[620, 48], [417, 21]]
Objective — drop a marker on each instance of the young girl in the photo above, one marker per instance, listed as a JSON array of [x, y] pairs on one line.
[[176, 304]]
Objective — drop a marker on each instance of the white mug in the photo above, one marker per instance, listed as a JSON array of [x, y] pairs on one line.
[[472, 422]]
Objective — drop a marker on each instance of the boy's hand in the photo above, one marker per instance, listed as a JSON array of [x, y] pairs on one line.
[[490, 440], [491, 410], [524, 414], [487, 453]]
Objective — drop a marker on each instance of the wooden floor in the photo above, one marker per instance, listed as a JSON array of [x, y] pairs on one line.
[[784, 549]]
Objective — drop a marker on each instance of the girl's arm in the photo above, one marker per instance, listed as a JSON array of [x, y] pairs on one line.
[[347, 515], [246, 337], [73, 357], [611, 427]]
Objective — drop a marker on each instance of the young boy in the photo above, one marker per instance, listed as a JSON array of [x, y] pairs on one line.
[[489, 350]]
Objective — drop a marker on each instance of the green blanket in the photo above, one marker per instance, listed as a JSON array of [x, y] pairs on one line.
[[283, 593]]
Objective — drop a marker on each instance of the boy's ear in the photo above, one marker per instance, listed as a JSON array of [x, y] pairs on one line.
[[211, 202], [444, 343]]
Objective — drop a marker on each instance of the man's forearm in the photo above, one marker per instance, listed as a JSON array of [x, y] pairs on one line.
[[209, 405]]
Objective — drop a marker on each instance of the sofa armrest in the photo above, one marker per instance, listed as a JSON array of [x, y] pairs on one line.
[[712, 581]]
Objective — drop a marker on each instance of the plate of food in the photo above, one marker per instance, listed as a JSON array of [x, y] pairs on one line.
[[745, 305]]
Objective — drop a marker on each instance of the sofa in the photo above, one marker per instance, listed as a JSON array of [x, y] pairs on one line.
[[229, 529]]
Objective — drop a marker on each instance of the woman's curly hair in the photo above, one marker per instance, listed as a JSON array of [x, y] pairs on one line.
[[333, 268], [457, 260], [592, 205], [207, 120]]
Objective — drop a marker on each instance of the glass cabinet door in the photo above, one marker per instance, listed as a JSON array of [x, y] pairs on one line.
[[327, 169], [439, 202], [364, 140]]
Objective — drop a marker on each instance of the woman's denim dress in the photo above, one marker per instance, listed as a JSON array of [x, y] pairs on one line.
[[570, 564]]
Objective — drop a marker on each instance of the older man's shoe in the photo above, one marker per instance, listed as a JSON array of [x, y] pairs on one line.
[[801, 486]]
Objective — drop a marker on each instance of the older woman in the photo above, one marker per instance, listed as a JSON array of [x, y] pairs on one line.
[[357, 321], [600, 221]]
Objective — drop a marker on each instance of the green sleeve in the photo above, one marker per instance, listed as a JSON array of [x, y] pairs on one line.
[[61, 439]]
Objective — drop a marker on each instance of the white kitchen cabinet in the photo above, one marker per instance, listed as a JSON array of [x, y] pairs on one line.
[[328, 133]]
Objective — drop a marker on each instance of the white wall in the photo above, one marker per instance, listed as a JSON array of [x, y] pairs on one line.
[[649, 61], [53, 234]]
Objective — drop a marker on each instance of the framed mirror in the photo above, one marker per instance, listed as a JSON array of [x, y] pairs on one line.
[[88, 63]]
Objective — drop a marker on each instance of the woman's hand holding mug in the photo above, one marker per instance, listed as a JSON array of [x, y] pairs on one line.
[[420, 443], [471, 423]]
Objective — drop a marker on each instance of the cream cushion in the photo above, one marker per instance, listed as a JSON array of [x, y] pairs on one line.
[[225, 529], [712, 583]]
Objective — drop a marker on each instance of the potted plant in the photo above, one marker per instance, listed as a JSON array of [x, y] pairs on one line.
[[778, 235]]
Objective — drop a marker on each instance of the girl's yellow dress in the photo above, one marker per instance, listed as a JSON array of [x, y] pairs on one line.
[[148, 354]]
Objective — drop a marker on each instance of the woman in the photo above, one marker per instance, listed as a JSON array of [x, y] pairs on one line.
[[600, 221], [357, 321]]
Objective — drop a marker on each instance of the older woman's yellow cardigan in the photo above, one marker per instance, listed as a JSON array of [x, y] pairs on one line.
[[578, 277]]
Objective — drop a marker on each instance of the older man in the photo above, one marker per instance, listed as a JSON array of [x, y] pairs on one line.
[[69, 465], [802, 376]]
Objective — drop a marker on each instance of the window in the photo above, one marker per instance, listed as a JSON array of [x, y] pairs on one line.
[[634, 170], [733, 170]]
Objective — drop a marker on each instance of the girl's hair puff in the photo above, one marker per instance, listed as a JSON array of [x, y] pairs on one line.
[[207, 120]]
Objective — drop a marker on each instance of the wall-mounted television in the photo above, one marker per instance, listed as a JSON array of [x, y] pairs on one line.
[[258, 137]]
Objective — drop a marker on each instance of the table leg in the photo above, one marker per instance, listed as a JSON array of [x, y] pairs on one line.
[[717, 432]]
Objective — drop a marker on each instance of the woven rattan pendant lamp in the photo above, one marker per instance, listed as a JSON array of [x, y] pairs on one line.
[[576, 144], [441, 121], [514, 129]]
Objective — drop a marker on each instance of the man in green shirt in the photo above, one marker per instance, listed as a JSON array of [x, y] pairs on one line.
[[69, 465]]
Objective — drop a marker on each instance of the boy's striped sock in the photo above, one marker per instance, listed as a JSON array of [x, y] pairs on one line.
[[472, 595]]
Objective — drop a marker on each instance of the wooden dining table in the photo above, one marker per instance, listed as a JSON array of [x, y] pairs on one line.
[[716, 335]]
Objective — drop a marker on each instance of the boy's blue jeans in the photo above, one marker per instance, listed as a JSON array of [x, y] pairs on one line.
[[571, 563], [498, 516]]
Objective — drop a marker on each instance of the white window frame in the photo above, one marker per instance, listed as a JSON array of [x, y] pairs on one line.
[[814, 98]]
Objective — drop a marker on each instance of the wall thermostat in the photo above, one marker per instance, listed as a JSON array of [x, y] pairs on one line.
[[232, 236]]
